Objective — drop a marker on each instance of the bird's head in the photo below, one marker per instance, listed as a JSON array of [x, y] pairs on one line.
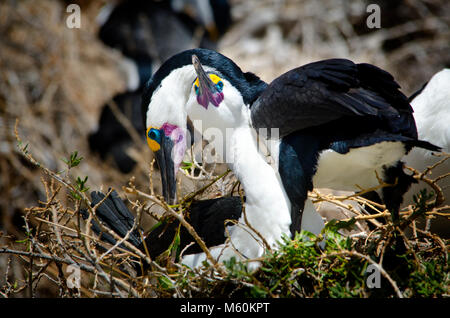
[[215, 98], [214, 93], [166, 135]]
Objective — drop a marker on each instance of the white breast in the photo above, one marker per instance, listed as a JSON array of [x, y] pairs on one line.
[[357, 168]]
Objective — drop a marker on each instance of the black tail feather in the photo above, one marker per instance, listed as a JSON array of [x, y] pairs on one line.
[[425, 144], [116, 216]]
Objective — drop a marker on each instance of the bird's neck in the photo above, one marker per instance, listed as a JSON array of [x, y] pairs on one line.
[[267, 206]]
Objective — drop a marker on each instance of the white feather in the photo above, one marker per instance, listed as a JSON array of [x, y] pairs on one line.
[[361, 166], [432, 116]]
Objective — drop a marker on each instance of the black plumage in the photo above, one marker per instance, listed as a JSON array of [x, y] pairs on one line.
[[321, 92]]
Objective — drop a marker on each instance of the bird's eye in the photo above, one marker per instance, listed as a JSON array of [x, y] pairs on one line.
[[196, 89], [155, 135], [219, 86]]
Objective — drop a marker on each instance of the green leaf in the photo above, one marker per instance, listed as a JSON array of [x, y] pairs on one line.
[[73, 160], [186, 165], [165, 282]]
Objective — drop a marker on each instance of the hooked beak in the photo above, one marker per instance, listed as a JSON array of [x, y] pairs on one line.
[[208, 92], [168, 170]]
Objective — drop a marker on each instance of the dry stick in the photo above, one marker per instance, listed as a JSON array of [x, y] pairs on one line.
[[201, 190], [435, 211], [103, 228], [353, 197], [89, 220], [429, 168], [203, 173], [60, 242], [358, 216], [84, 199], [417, 175], [433, 183], [437, 239], [99, 271], [245, 228], [95, 239], [93, 260], [30, 158], [382, 271], [34, 245], [82, 195], [181, 219], [127, 235], [442, 177], [83, 267]]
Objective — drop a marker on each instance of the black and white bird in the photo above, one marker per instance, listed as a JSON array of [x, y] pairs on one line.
[[267, 215], [340, 125]]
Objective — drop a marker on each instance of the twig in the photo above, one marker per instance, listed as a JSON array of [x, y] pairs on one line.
[[183, 222]]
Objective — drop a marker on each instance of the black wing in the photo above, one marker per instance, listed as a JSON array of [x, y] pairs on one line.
[[325, 91]]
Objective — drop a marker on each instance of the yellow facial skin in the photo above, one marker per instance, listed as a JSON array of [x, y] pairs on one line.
[[153, 145], [213, 78]]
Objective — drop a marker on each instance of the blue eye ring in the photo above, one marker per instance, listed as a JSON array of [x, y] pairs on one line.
[[219, 86], [196, 88], [155, 134]]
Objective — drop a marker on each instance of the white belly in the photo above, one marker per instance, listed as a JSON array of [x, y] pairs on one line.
[[358, 168]]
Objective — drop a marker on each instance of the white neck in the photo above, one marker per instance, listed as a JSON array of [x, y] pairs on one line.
[[432, 111], [267, 206]]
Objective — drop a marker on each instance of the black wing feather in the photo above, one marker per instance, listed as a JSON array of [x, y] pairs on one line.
[[324, 91]]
